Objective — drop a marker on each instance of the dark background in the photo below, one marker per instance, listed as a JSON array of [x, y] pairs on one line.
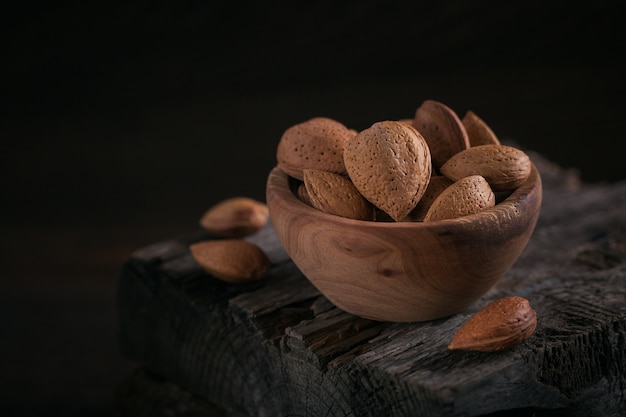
[[122, 123]]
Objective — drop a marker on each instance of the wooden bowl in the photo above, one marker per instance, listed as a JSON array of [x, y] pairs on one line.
[[403, 271]]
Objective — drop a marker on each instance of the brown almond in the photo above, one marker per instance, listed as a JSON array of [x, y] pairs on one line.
[[335, 194], [504, 167], [436, 185], [231, 260], [389, 164], [500, 325], [478, 132], [466, 196], [317, 143], [303, 194], [235, 217], [442, 129]]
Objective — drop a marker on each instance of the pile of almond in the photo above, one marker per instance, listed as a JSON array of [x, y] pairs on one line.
[[432, 167]]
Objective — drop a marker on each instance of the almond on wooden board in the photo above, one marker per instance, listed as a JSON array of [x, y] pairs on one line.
[[335, 194], [500, 325], [317, 143], [389, 163], [466, 196], [235, 217], [231, 260], [504, 167], [442, 129], [478, 132]]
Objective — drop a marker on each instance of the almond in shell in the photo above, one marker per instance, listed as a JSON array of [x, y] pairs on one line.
[[235, 217], [500, 325], [231, 260], [303, 194], [466, 196], [478, 132], [436, 185], [442, 129], [504, 167], [389, 164], [335, 194], [317, 143]]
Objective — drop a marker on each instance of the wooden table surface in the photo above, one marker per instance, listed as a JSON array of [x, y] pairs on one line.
[[107, 153]]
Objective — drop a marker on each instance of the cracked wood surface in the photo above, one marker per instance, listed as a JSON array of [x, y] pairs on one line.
[[279, 348]]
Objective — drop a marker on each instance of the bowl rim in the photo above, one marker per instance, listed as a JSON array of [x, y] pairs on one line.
[[279, 184]]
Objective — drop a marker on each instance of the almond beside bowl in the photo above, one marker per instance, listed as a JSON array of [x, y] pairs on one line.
[[403, 271]]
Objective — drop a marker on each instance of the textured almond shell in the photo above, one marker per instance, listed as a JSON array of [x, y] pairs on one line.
[[504, 167], [303, 194], [231, 260], [317, 143], [442, 129], [389, 163], [436, 185], [466, 196], [478, 132], [335, 194], [502, 324], [235, 217]]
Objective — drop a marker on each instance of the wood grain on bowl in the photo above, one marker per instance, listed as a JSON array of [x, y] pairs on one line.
[[403, 271]]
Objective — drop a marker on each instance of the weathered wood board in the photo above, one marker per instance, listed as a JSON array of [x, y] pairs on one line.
[[279, 348]]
